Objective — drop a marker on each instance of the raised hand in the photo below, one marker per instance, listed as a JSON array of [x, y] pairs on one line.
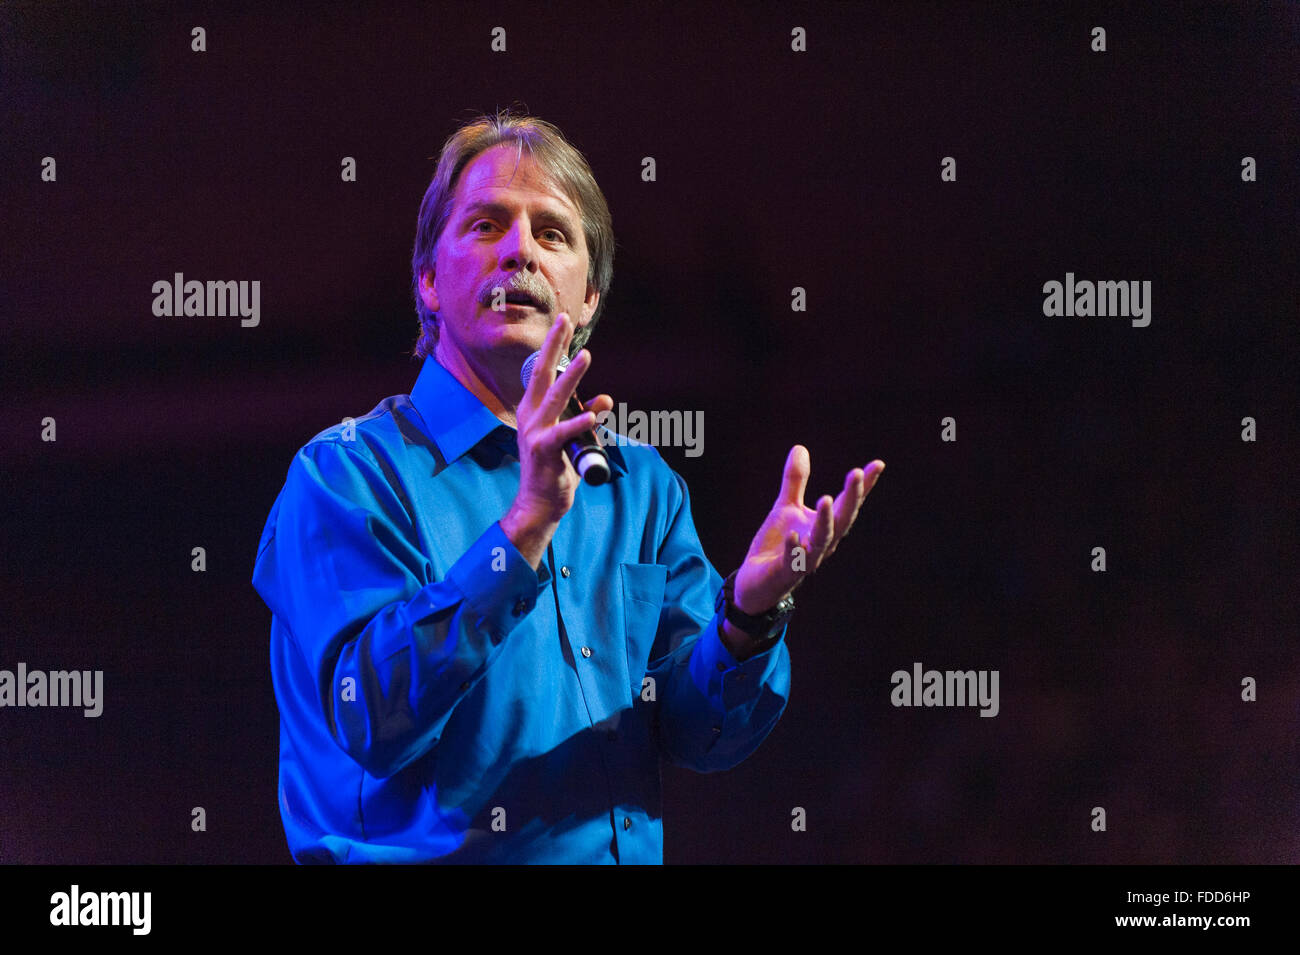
[[794, 540], [547, 480]]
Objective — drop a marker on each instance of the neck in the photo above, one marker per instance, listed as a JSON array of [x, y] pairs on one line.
[[496, 384]]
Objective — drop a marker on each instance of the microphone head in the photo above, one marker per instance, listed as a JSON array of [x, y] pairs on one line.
[[526, 373], [593, 466]]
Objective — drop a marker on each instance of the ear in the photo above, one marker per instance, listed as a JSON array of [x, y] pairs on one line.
[[589, 305], [428, 294]]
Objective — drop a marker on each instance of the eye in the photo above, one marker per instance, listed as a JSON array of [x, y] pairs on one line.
[[480, 222], [556, 232]]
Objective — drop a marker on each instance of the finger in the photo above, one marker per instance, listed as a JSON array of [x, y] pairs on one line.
[[865, 484], [556, 436], [870, 475], [823, 526], [795, 478], [558, 395], [557, 343], [873, 473], [848, 501], [544, 369], [599, 405]]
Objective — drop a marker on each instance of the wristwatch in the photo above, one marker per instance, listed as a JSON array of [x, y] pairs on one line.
[[759, 627]]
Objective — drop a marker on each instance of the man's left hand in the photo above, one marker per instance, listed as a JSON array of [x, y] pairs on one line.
[[773, 567]]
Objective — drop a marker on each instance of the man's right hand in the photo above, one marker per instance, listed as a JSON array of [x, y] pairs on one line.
[[548, 481]]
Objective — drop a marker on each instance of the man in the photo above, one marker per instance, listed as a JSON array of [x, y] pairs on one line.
[[475, 658]]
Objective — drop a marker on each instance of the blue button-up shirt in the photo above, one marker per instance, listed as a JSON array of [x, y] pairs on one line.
[[441, 700]]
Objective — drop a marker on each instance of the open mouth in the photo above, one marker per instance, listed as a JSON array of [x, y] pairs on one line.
[[522, 300]]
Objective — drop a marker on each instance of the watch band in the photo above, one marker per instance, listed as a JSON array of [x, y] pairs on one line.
[[760, 627]]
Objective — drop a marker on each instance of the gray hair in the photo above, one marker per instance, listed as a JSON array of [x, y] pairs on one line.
[[559, 160]]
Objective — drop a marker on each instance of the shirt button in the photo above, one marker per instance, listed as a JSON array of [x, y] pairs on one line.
[[521, 607], [611, 735], [464, 686], [586, 651], [627, 823], [717, 730], [564, 571], [721, 666]]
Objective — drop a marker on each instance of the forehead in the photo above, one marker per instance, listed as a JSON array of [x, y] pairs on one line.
[[503, 175]]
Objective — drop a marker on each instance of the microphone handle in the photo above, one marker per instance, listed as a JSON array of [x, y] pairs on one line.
[[585, 451]]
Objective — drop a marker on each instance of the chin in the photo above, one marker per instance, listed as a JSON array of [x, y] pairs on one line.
[[528, 336]]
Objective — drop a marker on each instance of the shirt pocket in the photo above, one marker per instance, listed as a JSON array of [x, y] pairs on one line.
[[643, 598]]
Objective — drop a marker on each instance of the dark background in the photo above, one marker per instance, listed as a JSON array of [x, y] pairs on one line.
[[775, 169]]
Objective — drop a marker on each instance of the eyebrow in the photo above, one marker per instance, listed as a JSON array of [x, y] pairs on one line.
[[499, 210]]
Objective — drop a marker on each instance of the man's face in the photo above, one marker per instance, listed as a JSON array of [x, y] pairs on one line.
[[509, 227]]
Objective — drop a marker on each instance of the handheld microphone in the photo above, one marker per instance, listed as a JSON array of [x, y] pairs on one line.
[[585, 451]]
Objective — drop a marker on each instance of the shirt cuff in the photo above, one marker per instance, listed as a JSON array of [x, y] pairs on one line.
[[500, 587], [726, 681]]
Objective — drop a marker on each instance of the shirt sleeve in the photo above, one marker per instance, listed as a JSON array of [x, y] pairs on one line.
[[714, 711], [391, 650]]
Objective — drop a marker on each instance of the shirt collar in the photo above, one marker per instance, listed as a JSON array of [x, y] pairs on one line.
[[457, 420]]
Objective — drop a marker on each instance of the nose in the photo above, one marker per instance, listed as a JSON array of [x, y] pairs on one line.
[[518, 248]]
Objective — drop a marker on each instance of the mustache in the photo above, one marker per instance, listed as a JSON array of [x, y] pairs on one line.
[[535, 288]]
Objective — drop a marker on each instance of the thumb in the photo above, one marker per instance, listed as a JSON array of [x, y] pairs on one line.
[[795, 478]]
